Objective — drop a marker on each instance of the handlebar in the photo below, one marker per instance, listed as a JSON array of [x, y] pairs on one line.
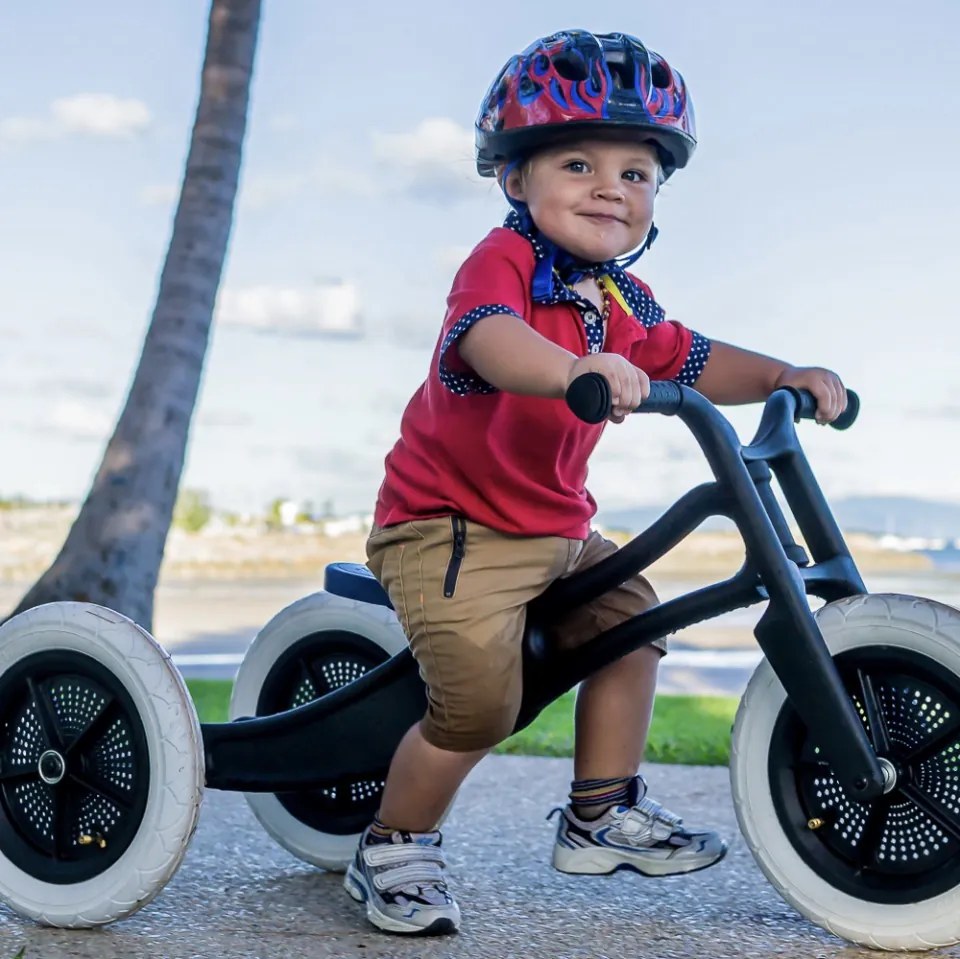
[[590, 398]]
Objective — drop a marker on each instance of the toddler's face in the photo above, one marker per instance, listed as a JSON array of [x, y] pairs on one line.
[[594, 198]]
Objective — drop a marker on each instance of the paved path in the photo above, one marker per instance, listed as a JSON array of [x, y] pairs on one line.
[[239, 896]]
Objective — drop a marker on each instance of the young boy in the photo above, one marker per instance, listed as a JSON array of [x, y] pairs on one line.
[[484, 503]]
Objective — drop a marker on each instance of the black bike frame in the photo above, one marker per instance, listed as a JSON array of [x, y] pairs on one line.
[[354, 731]]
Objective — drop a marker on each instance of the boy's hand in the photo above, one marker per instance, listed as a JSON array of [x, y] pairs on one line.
[[826, 387], [629, 384]]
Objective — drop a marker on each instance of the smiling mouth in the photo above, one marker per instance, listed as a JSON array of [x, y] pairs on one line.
[[602, 217]]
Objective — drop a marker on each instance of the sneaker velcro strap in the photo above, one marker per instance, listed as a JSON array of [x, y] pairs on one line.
[[412, 864], [648, 821], [388, 854], [412, 874]]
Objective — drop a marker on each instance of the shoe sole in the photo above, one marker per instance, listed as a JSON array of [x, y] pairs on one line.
[[356, 888], [592, 861]]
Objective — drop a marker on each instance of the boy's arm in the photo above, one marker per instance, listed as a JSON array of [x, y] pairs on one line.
[[733, 375], [514, 358]]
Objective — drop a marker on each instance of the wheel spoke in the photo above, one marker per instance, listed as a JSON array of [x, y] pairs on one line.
[[813, 767], [95, 728], [945, 737], [878, 727], [310, 672], [103, 789], [64, 820], [935, 810], [873, 828], [46, 714], [17, 774]]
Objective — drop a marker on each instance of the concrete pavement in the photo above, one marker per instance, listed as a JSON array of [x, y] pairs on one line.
[[240, 896]]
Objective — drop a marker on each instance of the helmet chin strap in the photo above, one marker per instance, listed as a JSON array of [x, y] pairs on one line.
[[624, 261]]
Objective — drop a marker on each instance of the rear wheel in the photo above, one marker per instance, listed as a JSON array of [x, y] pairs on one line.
[[883, 873], [316, 645], [101, 765]]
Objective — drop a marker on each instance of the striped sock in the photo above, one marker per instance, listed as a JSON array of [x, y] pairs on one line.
[[591, 798], [377, 833]]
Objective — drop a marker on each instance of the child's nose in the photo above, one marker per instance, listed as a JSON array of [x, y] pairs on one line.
[[609, 187], [609, 191]]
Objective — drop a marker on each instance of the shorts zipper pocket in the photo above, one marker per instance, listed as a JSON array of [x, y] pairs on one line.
[[456, 557]]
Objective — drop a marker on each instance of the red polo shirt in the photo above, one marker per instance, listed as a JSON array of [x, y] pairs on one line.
[[516, 463]]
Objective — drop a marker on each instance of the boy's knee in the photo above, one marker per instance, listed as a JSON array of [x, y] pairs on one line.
[[467, 730]]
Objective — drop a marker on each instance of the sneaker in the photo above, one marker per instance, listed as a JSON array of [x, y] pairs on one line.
[[402, 883], [642, 836]]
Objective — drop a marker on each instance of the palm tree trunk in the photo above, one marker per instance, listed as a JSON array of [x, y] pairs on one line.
[[113, 551]]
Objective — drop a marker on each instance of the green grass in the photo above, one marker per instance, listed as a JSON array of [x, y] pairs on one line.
[[692, 730], [212, 699]]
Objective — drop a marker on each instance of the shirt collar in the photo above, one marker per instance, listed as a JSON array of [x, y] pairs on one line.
[[556, 269]]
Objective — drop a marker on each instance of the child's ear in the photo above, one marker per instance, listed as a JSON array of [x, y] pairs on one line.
[[513, 185]]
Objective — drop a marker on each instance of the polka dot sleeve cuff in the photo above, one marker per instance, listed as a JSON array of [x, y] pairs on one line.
[[465, 381], [696, 360]]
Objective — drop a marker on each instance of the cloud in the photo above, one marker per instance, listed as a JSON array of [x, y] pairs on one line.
[[328, 309], [74, 386], [434, 160], [223, 418], [264, 190], [85, 114], [450, 258], [283, 122], [74, 420], [343, 466], [160, 194]]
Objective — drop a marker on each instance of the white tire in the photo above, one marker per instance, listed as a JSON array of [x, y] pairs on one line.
[[907, 628], [164, 788], [318, 613]]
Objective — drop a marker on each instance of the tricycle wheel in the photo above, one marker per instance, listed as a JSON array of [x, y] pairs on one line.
[[883, 873], [312, 647], [101, 765]]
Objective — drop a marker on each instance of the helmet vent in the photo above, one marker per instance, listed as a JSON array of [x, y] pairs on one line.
[[570, 68], [659, 74]]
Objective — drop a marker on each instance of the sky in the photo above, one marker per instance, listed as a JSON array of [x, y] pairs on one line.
[[816, 222]]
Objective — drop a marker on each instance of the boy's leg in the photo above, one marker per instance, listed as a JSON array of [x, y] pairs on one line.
[[463, 611], [613, 712], [422, 782], [611, 823]]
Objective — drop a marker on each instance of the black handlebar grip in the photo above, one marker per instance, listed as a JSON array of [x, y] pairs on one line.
[[590, 398], [849, 416], [665, 397], [807, 408]]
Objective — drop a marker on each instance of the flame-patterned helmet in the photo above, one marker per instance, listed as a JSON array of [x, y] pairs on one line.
[[577, 82]]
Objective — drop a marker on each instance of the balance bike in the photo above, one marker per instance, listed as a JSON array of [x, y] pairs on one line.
[[845, 759]]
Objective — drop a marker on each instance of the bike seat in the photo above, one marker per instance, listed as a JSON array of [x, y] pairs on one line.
[[355, 581]]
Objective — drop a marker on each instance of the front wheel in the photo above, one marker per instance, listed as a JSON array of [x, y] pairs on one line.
[[883, 873]]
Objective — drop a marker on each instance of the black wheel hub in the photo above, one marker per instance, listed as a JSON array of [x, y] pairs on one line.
[[74, 767], [903, 846], [311, 668], [51, 767]]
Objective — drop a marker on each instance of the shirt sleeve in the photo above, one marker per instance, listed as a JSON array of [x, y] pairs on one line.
[[670, 350], [489, 282]]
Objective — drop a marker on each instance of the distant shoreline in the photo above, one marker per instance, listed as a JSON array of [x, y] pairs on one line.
[[31, 538]]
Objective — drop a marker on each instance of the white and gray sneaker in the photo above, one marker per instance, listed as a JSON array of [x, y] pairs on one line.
[[641, 836], [403, 885]]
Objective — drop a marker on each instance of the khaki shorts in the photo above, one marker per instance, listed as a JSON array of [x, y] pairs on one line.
[[463, 608]]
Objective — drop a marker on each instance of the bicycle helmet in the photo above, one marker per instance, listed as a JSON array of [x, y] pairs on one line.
[[576, 81]]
